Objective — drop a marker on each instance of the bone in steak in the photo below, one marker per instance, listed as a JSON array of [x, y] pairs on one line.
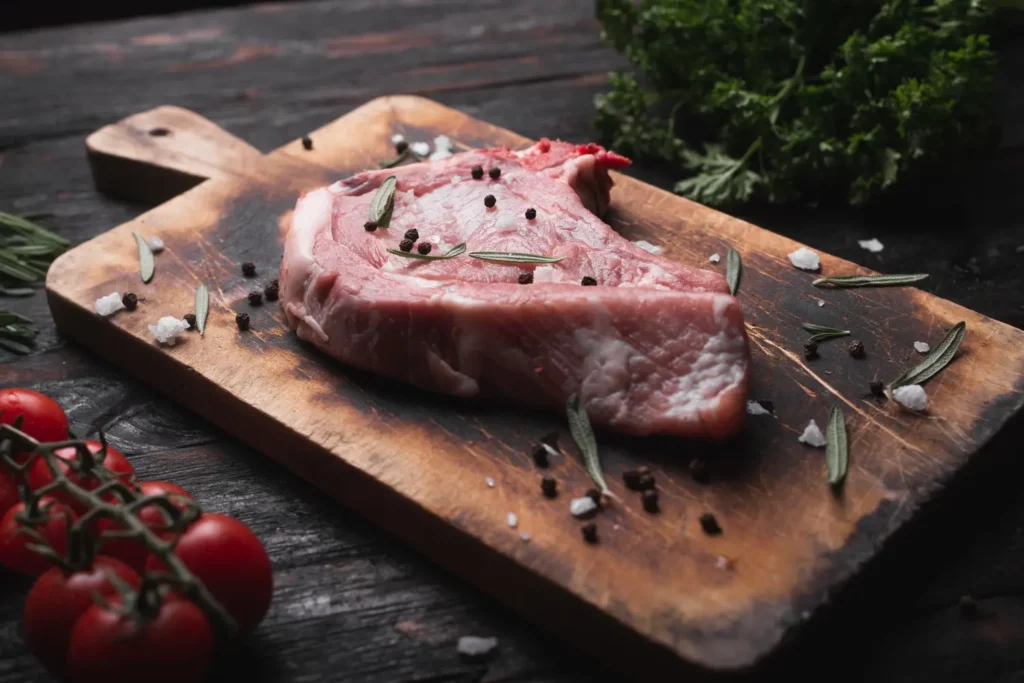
[[655, 348]]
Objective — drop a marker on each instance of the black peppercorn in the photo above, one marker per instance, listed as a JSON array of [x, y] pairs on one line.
[[526, 278], [594, 495], [477, 172], [531, 214], [646, 482], [699, 470], [857, 348], [631, 478], [588, 281], [968, 607], [877, 388], [589, 531], [401, 146], [190, 318], [709, 524], [255, 298], [272, 290], [424, 248], [307, 142], [540, 455], [490, 201], [650, 500], [412, 234], [249, 269], [370, 226], [811, 350], [495, 173], [549, 486], [242, 320], [405, 245], [130, 301]]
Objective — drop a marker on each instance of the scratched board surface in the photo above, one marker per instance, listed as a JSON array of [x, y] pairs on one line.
[[417, 463]]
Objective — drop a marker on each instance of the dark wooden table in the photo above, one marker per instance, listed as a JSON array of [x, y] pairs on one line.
[[351, 603]]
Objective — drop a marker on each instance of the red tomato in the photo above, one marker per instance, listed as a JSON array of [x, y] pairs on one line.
[[9, 494], [174, 645], [58, 599], [39, 474], [133, 553], [43, 419], [13, 551], [231, 562]]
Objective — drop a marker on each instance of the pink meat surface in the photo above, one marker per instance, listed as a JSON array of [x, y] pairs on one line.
[[655, 347]]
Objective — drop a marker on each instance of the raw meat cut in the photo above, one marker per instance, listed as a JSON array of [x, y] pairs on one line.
[[655, 347]]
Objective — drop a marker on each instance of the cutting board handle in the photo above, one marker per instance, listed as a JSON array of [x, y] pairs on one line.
[[158, 154]]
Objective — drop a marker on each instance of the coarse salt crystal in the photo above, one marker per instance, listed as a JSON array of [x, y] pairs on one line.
[[490, 482], [812, 436], [475, 646], [512, 519], [922, 347], [647, 246], [525, 537], [442, 148], [421, 148], [821, 302], [911, 396], [582, 506], [167, 329], [111, 303], [155, 244], [396, 138], [805, 259], [714, 258], [872, 245], [755, 408]]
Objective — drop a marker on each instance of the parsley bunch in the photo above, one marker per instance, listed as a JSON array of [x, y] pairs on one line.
[[798, 100]]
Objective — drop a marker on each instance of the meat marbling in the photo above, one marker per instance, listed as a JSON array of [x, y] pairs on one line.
[[655, 348]]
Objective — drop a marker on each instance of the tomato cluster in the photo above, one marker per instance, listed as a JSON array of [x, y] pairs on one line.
[[113, 612]]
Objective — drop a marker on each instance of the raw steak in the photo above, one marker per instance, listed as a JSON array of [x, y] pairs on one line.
[[654, 348]]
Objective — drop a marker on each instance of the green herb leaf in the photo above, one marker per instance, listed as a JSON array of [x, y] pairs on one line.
[[405, 155], [941, 356], [16, 291], [146, 264], [15, 334], [583, 435], [837, 450], [733, 270], [383, 203], [202, 307], [14, 347], [869, 280], [821, 332], [514, 257], [457, 250]]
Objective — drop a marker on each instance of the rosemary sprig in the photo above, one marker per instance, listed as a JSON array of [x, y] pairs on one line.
[[869, 280], [202, 307], [16, 335], [26, 251], [514, 257], [733, 270], [583, 435], [821, 332], [383, 203], [146, 263], [837, 450], [405, 155], [457, 250], [941, 356]]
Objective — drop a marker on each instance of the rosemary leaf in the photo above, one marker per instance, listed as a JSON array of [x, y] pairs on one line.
[[821, 332], [941, 356], [514, 257], [37, 233], [146, 264], [383, 203], [202, 307], [457, 250], [14, 347], [733, 270], [16, 291], [10, 317], [869, 280], [406, 154], [15, 334], [837, 450], [583, 435]]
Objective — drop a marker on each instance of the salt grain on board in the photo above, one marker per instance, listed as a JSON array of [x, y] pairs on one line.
[[490, 482], [155, 244], [922, 347], [647, 246], [421, 148], [872, 245], [475, 646], [755, 408], [714, 258], [805, 259], [396, 138], [512, 519], [167, 329], [911, 396], [111, 303], [812, 436], [525, 537], [582, 506]]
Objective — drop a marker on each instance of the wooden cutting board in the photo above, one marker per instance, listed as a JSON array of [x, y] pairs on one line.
[[656, 591]]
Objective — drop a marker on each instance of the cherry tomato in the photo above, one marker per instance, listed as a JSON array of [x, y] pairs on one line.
[[42, 418], [9, 494], [39, 474], [231, 562], [131, 552], [14, 553], [59, 598], [174, 645]]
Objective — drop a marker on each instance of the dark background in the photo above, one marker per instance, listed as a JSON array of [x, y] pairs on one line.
[[351, 603]]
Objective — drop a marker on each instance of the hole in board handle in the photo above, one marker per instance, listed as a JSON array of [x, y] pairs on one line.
[[159, 132]]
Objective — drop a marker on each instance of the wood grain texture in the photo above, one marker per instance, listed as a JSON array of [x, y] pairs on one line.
[[396, 454]]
